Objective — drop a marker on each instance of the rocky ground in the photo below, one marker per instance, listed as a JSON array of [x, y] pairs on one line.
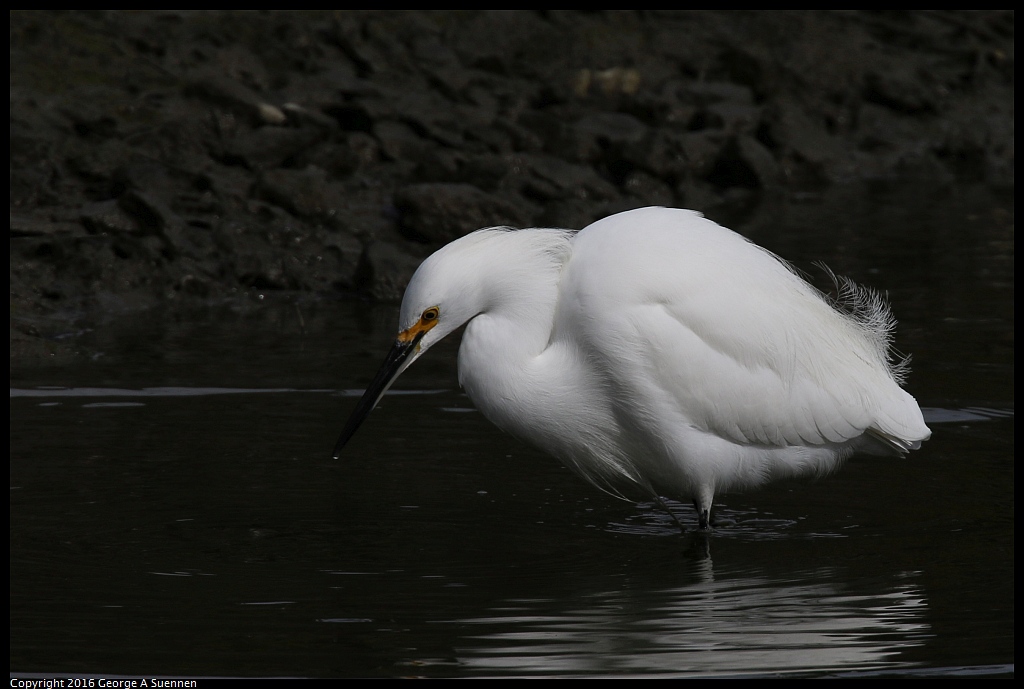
[[182, 157]]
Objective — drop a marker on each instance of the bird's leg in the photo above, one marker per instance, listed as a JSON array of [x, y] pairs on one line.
[[703, 502], [704, 519]]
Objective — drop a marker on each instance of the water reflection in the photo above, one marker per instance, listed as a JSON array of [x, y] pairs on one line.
[[506, 566], [709, 627]]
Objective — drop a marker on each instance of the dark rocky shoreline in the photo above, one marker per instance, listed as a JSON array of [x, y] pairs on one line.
[[183, 157]]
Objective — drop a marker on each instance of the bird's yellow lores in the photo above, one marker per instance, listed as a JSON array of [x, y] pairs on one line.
[[658, 350]]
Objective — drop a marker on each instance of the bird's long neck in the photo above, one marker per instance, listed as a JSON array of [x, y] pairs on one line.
[[507, 349], [520, 276], [520, 310], [521, 280], [507, 367], [525, 376]]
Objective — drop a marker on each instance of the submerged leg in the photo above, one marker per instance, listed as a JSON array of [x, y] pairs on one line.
[[703, 516], [703, 503]]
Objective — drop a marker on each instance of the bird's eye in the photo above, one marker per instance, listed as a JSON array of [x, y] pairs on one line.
[[430, 314]]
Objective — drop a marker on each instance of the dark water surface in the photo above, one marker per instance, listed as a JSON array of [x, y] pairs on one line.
[[174, 510]]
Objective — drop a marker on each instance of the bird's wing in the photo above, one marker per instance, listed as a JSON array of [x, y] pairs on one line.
[[745, 379], [691, 323]]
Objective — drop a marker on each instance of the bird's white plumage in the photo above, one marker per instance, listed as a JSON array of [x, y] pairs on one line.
[[659, 349]]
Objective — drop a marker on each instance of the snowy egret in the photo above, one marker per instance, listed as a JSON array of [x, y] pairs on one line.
[[658, 350]]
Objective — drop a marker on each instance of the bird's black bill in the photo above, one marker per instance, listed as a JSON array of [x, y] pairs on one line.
[[393, 365]]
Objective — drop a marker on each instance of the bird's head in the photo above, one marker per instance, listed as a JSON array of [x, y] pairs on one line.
[[442, 296]]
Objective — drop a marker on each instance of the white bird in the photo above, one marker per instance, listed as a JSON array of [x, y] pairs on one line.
[[658, 350]]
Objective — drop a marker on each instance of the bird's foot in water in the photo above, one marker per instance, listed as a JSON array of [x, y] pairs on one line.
[[705, 521]]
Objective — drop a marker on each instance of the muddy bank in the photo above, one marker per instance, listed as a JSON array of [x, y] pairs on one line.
[[190, 157]]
